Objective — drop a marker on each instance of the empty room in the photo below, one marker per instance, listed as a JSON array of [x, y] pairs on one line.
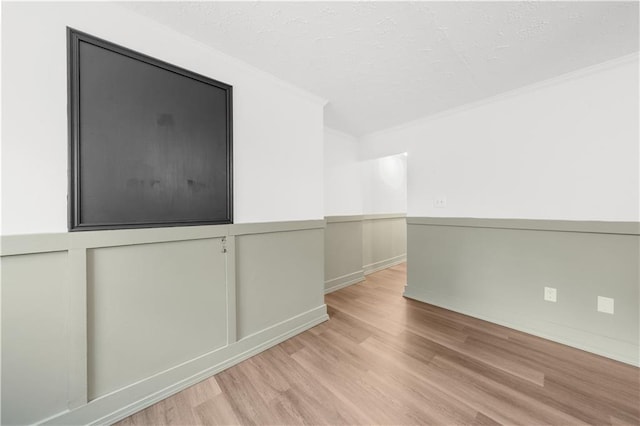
[[305, 212]]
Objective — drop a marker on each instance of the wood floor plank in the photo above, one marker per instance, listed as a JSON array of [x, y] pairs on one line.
[[216, 411], [321, 402], [203, 391], [248, 404], [521, 402], [588, 411], [483, 420], [333, 378], [384, 359], [503, 360]]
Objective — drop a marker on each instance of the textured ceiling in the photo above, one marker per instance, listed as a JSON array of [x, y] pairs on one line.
[[381, 64]]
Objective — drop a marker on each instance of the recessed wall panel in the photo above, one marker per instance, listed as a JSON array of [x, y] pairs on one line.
[[151, 307], [383, 241], [279, 275], [343, 249], [35, 299]]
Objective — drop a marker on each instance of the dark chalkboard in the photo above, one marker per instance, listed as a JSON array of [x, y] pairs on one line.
[[150, 143]]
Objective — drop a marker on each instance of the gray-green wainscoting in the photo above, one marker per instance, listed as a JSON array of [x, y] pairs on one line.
[[98, 325], [358, 245], [496, 269], [384, 241]]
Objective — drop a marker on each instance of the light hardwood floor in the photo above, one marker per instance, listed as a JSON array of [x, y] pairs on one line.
[[384, 359]]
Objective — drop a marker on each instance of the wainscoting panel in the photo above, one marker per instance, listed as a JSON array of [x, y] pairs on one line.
[[497, 269], [35, 336], [152, 306], [361, 244], [384, 241], [97, 325], [342, 252], [279, 274]]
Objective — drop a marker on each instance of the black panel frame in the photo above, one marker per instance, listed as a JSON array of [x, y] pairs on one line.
[[74, 37]]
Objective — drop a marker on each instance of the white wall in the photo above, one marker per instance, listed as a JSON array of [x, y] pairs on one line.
[[384, 184], [354, 186], [342, 174], [278, 129], [563, 149]]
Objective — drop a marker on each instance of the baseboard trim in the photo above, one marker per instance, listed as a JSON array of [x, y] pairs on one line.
[[625, 353], [122, 403], [384, 264], [343, 281]]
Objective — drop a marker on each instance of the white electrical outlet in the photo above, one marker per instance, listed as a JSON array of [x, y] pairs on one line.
[[605, 304], [550, 294], [440, 203]]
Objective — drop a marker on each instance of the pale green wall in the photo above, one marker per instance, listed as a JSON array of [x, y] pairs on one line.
[[384, 241], [343, 252], [361, 244], [497, 269], [35, 336], [279, 275], [152, 306], [106, 323]]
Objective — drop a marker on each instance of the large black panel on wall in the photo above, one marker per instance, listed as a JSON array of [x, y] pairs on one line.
[[150, 143]]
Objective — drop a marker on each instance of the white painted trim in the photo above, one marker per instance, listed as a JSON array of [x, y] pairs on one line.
[[119, 404], [343, 281], [384, 264], [572, 75], [626, 352]]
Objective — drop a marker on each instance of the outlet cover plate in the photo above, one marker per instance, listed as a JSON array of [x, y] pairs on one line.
[[550, 294], [605, 304], [440, 202]]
